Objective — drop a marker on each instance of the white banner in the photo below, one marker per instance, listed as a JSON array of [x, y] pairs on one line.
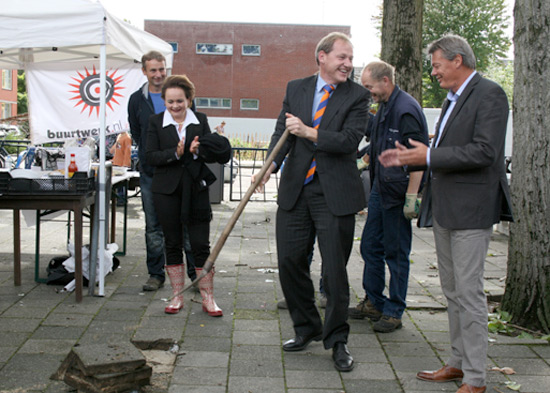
[[64, 98]]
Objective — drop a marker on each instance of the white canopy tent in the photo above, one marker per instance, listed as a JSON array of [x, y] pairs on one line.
[[37, 31], [64, 30]]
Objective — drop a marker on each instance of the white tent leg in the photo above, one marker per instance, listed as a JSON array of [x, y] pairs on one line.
[[102, 182]]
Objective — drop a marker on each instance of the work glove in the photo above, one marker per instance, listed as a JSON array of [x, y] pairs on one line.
[[411, 207], [361, 164]]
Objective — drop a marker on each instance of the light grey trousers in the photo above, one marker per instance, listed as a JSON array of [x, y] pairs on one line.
[[461, 258]]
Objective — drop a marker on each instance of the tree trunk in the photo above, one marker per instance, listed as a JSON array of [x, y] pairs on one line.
[[402, 43], [527, 296]]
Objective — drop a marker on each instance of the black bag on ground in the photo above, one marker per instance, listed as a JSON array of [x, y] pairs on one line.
[[58, 275]]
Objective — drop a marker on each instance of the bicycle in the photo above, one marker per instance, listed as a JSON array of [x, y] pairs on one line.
[[6, 160]]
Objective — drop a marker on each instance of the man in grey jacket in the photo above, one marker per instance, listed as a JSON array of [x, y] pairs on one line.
[[467, 192]]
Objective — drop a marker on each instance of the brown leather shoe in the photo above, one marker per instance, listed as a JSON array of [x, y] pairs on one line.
[[465, 388], [444, 374]]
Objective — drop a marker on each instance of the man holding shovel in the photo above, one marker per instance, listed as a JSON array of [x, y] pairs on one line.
[[319, 193]]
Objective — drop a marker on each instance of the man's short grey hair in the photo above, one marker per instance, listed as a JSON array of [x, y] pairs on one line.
[[452, 45], [380, 69]]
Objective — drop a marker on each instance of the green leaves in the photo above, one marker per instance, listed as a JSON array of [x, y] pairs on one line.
[[498, 323], [483, 23], [512, 385]]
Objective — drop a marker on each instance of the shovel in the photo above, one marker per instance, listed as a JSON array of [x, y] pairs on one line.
[[236, 214]]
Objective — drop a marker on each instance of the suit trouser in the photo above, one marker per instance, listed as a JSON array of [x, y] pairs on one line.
[[461, 258], [295, 231], [168, 207]]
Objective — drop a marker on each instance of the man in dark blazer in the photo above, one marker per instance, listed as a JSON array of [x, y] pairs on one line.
[[326, 206], [143, 103], [467, 192]]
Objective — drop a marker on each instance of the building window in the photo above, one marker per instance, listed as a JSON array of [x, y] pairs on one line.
[[174, 46], [251, 50], [7, 80], [213, 103], [250, 104], [6, 110], [214, 49]]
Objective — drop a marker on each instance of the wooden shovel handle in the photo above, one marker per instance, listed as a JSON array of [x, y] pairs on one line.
[[236, 214]]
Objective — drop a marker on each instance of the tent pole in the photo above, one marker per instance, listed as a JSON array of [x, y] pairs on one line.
[[102, 181]]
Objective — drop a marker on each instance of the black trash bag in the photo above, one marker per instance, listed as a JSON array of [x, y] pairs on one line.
[[58, 275]]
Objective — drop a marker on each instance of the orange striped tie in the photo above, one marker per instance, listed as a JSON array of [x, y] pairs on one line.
[[316, 121]]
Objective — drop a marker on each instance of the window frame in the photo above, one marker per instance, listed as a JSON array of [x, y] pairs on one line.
[[210, 99], [5, 110], [257, 108], [7, 78], [175, 46], [256, 53], [210, 49]]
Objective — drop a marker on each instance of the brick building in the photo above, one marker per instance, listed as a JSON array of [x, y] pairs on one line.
[[240, 70], [8, 94]]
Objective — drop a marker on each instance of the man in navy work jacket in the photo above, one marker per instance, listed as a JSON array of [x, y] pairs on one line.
[[392, 204]]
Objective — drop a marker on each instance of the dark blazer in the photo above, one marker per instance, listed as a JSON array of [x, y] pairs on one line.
[[468, 184], [169, 171], [341, 129], [140, 109]]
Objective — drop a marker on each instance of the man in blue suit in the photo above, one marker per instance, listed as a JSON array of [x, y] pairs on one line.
[[327, 204]]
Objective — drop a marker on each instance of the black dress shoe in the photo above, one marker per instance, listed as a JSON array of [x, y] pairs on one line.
[[300, 343], [342, 358]]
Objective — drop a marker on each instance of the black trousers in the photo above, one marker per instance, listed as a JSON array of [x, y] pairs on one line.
[[295, 231], [169, 208]]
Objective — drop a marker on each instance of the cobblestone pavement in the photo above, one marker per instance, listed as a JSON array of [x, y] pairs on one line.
[[240, 352]]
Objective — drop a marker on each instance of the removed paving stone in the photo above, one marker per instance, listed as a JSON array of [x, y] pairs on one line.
[[104, 368]]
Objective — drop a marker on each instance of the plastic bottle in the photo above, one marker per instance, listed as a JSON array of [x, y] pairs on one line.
[[72, 166]]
